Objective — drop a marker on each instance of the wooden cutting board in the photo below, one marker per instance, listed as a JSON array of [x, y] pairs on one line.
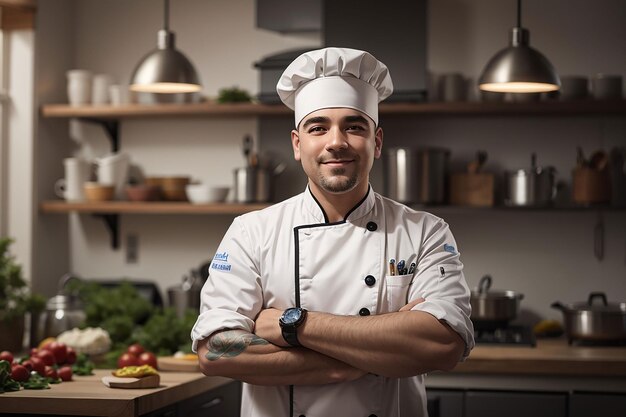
[[170, 363], [150, 381]]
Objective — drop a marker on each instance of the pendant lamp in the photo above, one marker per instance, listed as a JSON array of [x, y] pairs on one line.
[[519, 68], [165, 69]]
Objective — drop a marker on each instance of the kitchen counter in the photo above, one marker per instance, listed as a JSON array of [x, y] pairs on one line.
[[88, 396], [552, 357]]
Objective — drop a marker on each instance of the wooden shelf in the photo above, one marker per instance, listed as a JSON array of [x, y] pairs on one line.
[[157, 207], [209, 109]]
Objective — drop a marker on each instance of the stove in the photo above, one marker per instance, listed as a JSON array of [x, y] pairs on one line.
[[509, 335]]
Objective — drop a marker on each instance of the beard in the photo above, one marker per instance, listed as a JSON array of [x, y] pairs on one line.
[[338, 181]]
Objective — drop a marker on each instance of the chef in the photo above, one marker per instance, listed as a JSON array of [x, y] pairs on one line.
[[338, 301]]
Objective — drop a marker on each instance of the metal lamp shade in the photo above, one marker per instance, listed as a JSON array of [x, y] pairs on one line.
[[519, 69], [165, 70]]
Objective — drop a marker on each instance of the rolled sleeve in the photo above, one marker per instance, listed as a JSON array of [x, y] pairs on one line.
[[440, 281], [232, 295]]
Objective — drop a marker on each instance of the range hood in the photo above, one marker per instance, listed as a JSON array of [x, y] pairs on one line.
[[394, 32]]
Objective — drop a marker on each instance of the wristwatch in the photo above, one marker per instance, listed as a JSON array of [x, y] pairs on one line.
[[291, 319]]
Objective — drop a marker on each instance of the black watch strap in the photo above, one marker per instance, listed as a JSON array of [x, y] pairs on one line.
[[290, 334]]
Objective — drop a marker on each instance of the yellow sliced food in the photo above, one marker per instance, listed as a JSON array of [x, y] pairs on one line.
[[135, 371], [46, 340], [189, 357]]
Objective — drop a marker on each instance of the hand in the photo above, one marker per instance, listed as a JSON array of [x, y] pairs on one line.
[[267, 327], [412, 304]]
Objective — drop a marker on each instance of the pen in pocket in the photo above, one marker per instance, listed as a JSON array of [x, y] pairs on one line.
[[392, 266], [400, 267]]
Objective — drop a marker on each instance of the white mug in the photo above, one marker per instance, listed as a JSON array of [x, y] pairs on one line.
[[79, 87], [113, 170], [77, 172], [100, 90]]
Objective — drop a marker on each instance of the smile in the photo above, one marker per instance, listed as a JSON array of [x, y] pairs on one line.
[[338, 162]]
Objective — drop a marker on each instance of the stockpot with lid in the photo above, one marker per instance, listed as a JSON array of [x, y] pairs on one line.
[[595, 320]]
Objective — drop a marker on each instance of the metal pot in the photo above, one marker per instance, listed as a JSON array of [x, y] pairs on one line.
[[254, 184], [493, 309], [186, 295], [594, 321], [535, 187]]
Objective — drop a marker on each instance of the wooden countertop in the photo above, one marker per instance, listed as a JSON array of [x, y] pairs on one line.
[[550, 357], [88, 396]]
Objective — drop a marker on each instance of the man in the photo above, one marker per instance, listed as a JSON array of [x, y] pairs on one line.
[[337, 301]]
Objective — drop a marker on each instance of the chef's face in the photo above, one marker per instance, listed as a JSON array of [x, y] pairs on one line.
[[337, 148]]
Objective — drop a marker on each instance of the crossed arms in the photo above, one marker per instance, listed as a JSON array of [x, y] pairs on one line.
[[334, 348]]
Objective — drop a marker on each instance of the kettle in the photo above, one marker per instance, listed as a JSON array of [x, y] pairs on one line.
[[63, 312]]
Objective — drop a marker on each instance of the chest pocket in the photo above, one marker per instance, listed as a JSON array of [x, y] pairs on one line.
[[397, 287]]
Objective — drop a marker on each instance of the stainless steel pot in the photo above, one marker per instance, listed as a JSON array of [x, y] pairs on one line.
[[595, 320], [186, 295], [492, 308], [254, 184], [534, 187], [63, 312]]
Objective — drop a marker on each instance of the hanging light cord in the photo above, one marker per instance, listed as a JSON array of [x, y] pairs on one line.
[[519, 13], [166, 14]]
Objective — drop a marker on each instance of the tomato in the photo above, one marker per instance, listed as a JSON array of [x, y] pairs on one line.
[[148, 358], [46, 356], [135, 349], [27, 364], [38, 365], [46, 343], [127, 360], [5, 355], [71, 356], [50, 372], [19, 373], [59, 350], [65, 373], [34, 352]]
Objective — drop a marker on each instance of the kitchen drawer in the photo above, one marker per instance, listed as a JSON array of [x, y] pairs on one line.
[[592, 404], [514, 404], [224, 401], [445, 403]]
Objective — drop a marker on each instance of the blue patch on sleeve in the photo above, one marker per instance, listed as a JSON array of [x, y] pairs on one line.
[[220, 262], [449, 248]]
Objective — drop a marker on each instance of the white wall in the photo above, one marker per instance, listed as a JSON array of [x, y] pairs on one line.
[[548, 256]]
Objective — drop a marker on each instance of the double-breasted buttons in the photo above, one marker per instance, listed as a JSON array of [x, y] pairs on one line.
[[371, 226], [370, 280], [364, 312]]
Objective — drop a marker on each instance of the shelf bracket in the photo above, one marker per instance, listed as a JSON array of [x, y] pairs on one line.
[[112, 223], [111, 127]]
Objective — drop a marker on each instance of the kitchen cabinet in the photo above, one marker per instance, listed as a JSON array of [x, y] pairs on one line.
[[514, 404], [594, 404]]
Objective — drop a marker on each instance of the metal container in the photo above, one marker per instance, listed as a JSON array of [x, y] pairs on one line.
[[255, 184], [417, 176], [63, 312], [492, 308], [534, 187], [596, 321], [401, 175], [186, 295]]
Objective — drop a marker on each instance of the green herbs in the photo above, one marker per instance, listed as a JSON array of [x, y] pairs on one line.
[[37, 381], [83, 366], [15, 299], [7, 384], [233, 95], [165, 333]]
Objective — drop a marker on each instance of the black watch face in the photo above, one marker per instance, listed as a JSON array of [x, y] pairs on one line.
[[292, 315]]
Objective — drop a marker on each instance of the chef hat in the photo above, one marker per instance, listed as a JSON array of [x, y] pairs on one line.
[[335, 77]]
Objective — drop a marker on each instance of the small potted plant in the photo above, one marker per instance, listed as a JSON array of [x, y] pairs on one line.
[[15, 300]]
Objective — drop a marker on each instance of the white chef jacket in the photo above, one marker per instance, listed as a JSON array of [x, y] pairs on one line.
[[289, 254]]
